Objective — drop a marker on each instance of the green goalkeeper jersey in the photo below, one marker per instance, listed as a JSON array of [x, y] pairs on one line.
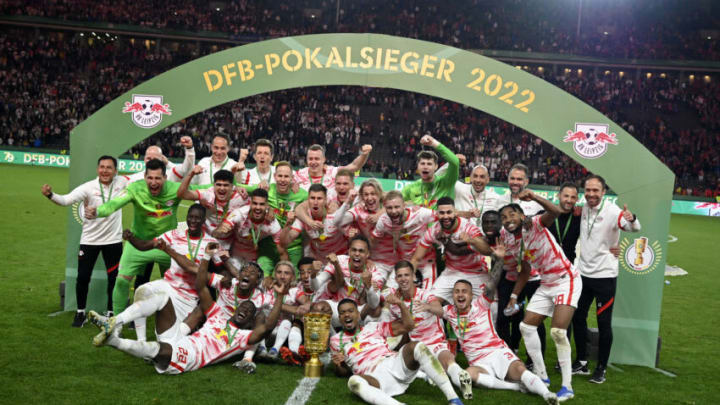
[[153, 215], [443, 185]]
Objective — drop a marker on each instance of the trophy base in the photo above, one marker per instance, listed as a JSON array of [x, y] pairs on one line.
[[314, 368]]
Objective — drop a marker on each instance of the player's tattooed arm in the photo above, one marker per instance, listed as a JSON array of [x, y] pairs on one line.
[[263, 329], [552, 211], [201, 280], [496, 271]]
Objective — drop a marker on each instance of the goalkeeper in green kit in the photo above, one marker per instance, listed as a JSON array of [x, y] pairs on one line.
[[155, 204], [429, 188]]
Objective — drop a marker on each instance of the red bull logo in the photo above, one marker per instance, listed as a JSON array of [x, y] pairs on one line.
[[591, 140], [146, 111]]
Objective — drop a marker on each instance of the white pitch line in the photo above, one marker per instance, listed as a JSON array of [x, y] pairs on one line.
[[56, 313], [665, 372], [303, 391], [672, 238]]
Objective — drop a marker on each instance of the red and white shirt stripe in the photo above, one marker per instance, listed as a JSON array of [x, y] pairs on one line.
[[243, 228], [544, 254], [212, 342], [330, 240], [207, 198], [472, 263], [474, 329], [181, 280], [398, 241], [354, 286], [229, 298], [428, 327], [364, 350], [304, 180]]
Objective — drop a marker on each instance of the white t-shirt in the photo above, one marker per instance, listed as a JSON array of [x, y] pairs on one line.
[[206, 177], [252, 177], [98, 231], [467, 199], [599, 231]]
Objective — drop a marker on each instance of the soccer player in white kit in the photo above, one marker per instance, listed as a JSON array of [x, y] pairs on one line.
[[319, 172], [219, 160], [560, 284], [348, 276], [396, 236], [175, 292], [492, 363], [220, 338], [600, 226], [378, 372], [329, 239], [474, 199], [451, 229], [99, 234], [428, 326], [174, 172], [263, 174]]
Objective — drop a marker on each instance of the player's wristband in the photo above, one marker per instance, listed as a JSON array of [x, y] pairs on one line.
[[49, 196], [513, 296]]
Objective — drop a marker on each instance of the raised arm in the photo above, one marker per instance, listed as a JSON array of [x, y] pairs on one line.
[[77, 195], [201, 280], [139, 244], [184, 189], [338, 278], [552, 211], [628, 221], [498, 255], [109, 207], [360, 161], [406, 323], [263, 329], [447, 180], [189, 161]]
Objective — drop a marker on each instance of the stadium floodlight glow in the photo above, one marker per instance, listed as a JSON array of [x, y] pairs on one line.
[[579, 71], [648, 75], [662, 75], [540, 69], [707, 78], [691, 77], [605, 33], [217, 9], [621, 73], [709, 37], [607, 72]]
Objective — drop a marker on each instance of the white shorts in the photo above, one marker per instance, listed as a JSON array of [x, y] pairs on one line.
[[545, 298], [438, 347], [393, 375], [497, 363], [443, 286], [184, 358], [182, 305]]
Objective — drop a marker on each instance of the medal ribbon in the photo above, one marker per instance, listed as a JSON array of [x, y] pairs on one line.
[[591, 226], [221, 167], [102, 193], [190, 254], [567, 226], [342, 345]]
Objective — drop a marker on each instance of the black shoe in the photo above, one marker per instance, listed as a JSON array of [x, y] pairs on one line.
[[579, 368], [79, 320], [598, 376]]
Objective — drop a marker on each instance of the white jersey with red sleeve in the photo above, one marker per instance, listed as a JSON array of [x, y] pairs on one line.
[[366, 348], [304, 180], [399, 241], [247, 233], [221, 209], [428, 327], [354, 286], [543, 253], [180, 241], [217, 340], [292, 298], [330, 240], [472, 263], [513, 246], [474, 329], [228, 298]]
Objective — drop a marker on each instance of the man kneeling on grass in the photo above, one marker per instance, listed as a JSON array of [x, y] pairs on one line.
[[380, 373], [221, 336]]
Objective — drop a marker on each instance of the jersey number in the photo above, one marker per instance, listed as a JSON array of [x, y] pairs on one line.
[[182, 355], [559, 299]]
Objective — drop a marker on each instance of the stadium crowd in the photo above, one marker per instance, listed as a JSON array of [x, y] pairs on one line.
[[667, 29], [54, 80]]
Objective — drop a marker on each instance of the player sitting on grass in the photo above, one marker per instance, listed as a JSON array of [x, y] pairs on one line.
[[220, 338], [380, 373], [492, 363]]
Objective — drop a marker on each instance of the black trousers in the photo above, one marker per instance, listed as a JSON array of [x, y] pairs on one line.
[[87, 256], [603, 291], [508, 328]]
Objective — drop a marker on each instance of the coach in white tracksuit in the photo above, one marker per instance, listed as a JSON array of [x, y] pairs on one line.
[[600, 227]]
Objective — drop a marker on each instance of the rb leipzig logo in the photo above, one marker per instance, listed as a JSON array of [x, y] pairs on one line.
[[147, 111], [591, 140]]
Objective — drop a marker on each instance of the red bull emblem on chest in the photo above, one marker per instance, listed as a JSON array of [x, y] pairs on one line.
[[591, 140], [146, 111]]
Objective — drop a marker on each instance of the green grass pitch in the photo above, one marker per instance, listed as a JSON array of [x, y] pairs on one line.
[[43, 359]]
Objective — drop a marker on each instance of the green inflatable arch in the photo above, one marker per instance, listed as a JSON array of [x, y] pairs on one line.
[[634, 173]]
